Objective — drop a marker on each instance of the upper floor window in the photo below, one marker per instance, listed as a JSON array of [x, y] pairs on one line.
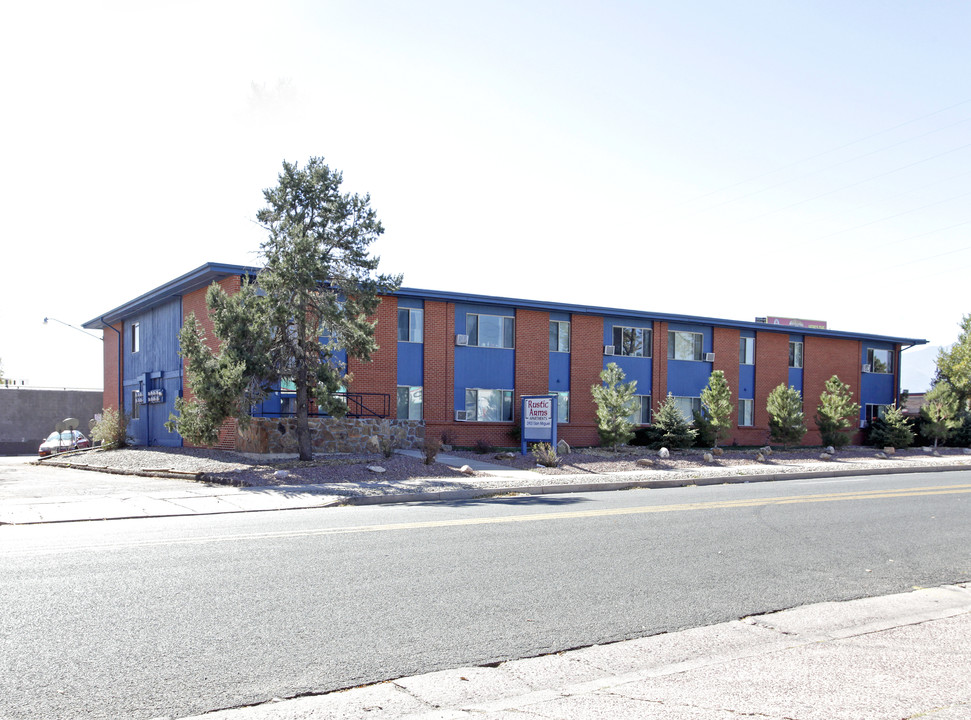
[[685, 346], [879, 361], [746, 351], [632, 341], [136, 337], [493, 331], [795, 354], [559, 336], [410, 324]]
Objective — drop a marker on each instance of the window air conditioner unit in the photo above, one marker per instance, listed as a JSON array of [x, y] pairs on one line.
[[709, 357], [461, 339], [867, 367], [460, 415], [608, 349]]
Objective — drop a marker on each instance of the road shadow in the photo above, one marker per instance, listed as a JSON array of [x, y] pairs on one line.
[[518, 501]]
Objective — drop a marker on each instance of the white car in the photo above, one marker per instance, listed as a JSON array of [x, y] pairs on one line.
[[62, 442]]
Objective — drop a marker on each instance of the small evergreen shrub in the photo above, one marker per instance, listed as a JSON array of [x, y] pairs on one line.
[[483, 447], [786, 421], [893, 430], [705, 432], [387, 446], [430, 448], [545, 455], [673, 430]]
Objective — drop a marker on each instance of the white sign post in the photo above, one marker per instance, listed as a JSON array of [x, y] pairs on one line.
[[538, 420]]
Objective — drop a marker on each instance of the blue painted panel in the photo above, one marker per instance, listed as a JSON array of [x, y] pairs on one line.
[[795, 378], [559, 371], [158, 414], [746, 381], [877, 389], [411, 302], [489, 368], [561, 316], [635, 368], [687, 378], [159, 349], [411, 363]]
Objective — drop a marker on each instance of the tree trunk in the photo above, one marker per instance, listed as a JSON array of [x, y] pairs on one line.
[[304, 445]]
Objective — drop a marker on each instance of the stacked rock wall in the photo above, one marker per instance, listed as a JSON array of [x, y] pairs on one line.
[[330, 435]]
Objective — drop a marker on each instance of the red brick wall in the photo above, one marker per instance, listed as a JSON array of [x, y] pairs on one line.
[[586, 362], [380, 373], [725, 346], [532, 355], [823, 358], [659, 389], [439, 354], [771, 370], [113, 357]]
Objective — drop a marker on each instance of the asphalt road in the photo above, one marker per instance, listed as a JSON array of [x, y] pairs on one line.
[[173, 617]]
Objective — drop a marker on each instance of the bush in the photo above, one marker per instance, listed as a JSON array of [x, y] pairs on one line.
[[786, 420], [483, 447], [706, 432], [387, 447], [647, 436], [430, 449], [673, 430], [111, 429], [893, 430], [545, 455]]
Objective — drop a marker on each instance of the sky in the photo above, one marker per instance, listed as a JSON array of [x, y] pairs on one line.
[[720, 159]]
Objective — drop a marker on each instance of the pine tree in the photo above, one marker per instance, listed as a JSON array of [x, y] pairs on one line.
[[892, 430], [317, 290], [941, 412], [837, 414], [716, 399], [786, 420], [673, 430], [954, 364], [615, 405]]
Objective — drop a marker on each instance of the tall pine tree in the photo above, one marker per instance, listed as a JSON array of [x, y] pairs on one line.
[[837, 415], [615, 405]]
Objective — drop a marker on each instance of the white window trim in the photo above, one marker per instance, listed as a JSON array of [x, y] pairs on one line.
[[751, 403], [647, 336], [490, 347], [411, 310], [802, 354], [502, 391], [870, 363], [421, 406], [569, 336], [750, 357], [136, 337], [672, 351]]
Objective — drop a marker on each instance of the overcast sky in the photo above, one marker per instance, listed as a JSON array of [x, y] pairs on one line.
[[726, 159]]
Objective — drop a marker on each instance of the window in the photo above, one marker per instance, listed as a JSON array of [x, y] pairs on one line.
[[559, 336], [410, 324], [632, 341], [493, 331], [875, 412], [746, 412], [685, 346], [288, 405], [136, 403], [136, 337], [641, 415], [687, 406], [746, 351], [562, 406], [795, 354], [880, 361], [488, 405], [409, 402]]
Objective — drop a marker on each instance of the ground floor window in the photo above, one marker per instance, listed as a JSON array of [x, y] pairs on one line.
[[409, 402], [562, 406], [875, 412], [642, 412], [746, 412], [688, 406], [483, 405], [136, 403], [288, 405]]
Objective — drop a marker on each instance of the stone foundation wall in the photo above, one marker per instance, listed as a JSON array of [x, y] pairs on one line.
[[329, 435]]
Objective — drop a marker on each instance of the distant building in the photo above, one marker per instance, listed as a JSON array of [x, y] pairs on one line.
[[460, 362]]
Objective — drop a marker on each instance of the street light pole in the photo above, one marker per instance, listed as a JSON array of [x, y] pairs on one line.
[[48, 319]]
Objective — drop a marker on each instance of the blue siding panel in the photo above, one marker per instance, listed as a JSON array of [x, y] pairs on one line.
[[488, 368], [411, 363], [559, 371], [746, 381], [795, 378]]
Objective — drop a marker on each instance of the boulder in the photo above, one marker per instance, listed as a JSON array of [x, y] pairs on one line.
[[967, 451], [830, 450], [505, 455], [281, 474], [760, 458], [466, 470], [890, 450], [376, 469], [765, 451], [664, 453], [825, 456], [717, 451], [644, 462], [563, 447], [881, 456], [927, 449], [708, 457], [373, 444]]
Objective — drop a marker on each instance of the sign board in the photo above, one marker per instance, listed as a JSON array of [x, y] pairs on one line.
[[793, 322], [538, 420]]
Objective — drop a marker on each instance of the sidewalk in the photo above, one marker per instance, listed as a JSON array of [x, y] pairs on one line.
[[126, 496], [885, 658]]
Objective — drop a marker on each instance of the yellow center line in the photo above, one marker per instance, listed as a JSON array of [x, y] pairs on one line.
[[534, 517]]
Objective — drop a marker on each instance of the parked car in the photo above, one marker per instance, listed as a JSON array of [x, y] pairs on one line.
[[62, 442]]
